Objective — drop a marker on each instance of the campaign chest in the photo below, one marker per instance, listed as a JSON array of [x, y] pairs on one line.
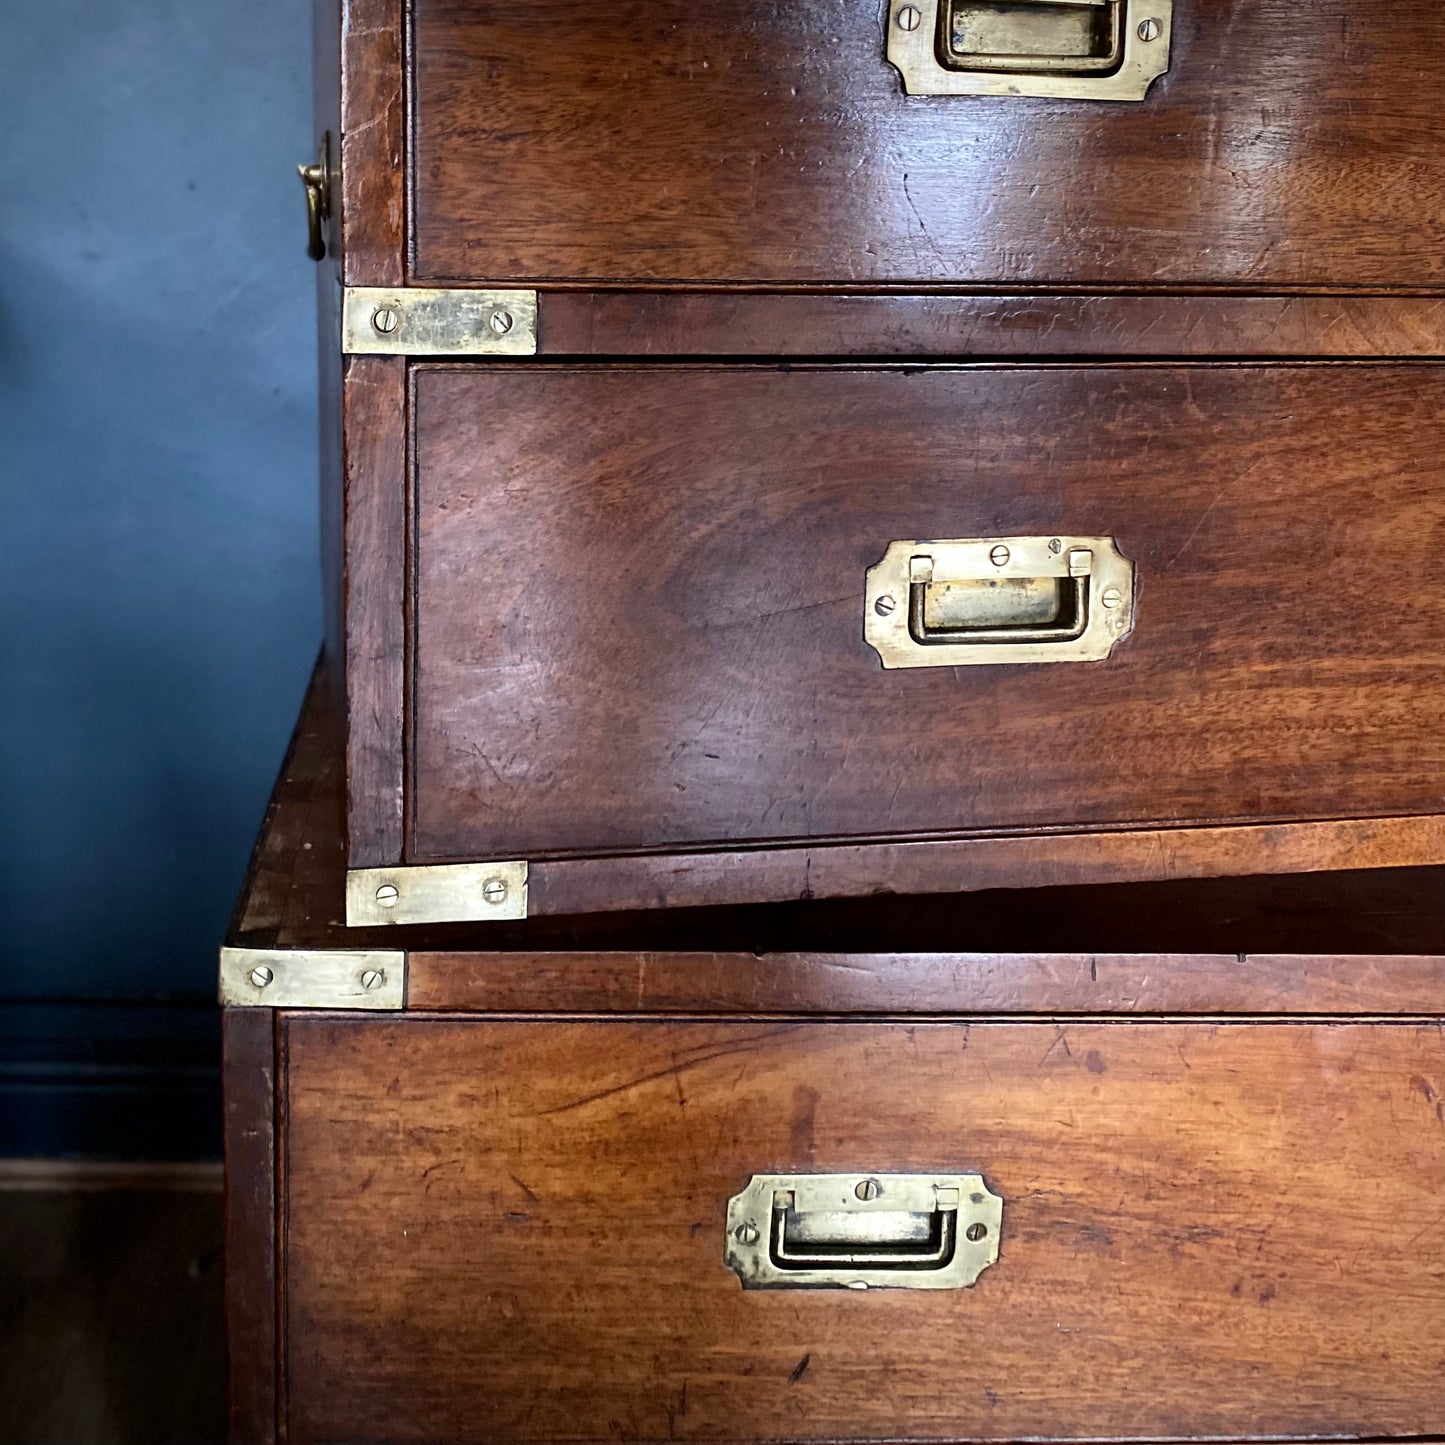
[[1145, 1162], [828, 450]]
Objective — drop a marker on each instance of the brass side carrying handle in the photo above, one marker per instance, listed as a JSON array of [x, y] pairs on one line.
[[863, 1231], [317, 180], [975, 601], [1077, 49]]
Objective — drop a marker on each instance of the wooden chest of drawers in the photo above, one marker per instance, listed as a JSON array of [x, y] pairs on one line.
[[710, 394], [480, 1180]]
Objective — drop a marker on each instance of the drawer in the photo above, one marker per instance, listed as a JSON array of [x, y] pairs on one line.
[[515, 1231], [726, 143], [645, 620]]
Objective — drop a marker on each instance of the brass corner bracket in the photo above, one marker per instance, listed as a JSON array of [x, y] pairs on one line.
[[437, 893], [372, 979], [421, 321]]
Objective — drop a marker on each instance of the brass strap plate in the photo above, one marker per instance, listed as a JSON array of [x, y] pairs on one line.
[[1068, 49], [436, 893], [418, 321], [373, 979], [862, 1231]]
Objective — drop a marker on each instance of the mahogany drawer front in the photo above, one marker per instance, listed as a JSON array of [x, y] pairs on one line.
[[639, 602], [514, 1231], [722, 142]]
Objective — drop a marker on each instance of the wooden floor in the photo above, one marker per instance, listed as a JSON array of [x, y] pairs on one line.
[[110, 1314]]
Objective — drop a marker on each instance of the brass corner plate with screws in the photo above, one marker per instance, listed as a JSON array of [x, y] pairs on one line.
[[436, 893], [372, 979], [989, 601], [862, 1231], [422, 321], [1065, 49]]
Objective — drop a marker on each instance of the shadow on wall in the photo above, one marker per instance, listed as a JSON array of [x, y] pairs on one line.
[[160, 588]]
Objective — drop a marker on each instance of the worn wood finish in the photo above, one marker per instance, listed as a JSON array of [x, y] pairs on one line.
[[373, 141], [621, 323], [719, 142], [249, 1063], [812, 983], [639, 619], [534, 1228], [375, 502], [1370, 941], [360, 90], [1043, 860]]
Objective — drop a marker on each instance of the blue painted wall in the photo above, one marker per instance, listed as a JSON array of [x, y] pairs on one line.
[[159, 590]]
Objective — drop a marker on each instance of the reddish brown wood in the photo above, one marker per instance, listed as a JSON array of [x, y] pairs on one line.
[[620, 323], [639, 623], [1045, 860], [1385, 918], [249, 1065], [513, 1231], [375, 503], [372, 204], [923, 983], [720, 142]]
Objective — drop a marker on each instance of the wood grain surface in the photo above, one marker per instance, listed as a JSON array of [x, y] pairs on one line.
[[634, 323], [374, 499], [249, 1065], [372, 183], [721, 142], [513, 1231], [639, 603], [818, 983]]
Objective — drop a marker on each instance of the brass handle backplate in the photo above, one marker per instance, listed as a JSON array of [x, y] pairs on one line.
[[317, 180], [978, 601], [862, 1231], [1075, 49]]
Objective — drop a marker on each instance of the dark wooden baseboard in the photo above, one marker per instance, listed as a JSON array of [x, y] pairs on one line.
[[119, 1081]]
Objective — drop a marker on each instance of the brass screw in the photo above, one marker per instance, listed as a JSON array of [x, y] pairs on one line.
[[999, 556], [501, 322], [387, 895], [746, 1234], [261, 976], [975, 1232], [885, 606], [372, 978], [385, 319], [867, 1189], [1056, 546], [1150, 29], [908, 17], [1112, 597], [494, 890]]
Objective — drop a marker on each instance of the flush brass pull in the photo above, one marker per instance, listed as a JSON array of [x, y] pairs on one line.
[[993, 600], [863, 1231], [1079, 49]]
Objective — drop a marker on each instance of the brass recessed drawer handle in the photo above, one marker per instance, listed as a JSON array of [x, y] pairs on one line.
[[991, 600], [1079, 49], [862, 1231]]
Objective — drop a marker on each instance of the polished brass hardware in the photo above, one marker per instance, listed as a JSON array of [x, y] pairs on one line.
[[991, 600], [422, 321], [436, 893], [373, 979], [317, 180], [871, 1231], [1075, 49]]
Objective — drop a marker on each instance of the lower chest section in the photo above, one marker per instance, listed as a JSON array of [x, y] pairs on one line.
[[531, 1230]]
